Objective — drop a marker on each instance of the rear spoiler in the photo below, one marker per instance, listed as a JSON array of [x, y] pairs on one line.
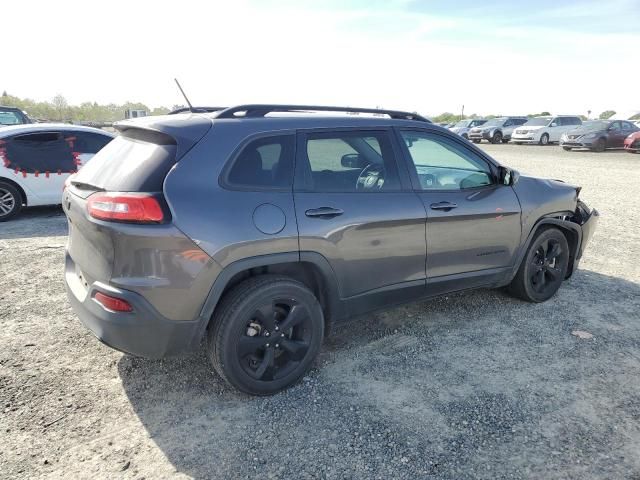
[[164, 130]]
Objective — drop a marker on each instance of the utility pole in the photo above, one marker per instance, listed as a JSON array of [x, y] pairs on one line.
[[462, 114]]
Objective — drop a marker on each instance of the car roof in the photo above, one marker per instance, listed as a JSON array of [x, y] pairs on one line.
[[47, 127]]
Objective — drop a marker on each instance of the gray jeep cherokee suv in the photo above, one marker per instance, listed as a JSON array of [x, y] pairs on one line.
[[259, 230]]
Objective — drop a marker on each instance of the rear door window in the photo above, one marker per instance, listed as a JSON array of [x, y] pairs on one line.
[[10, 118], [349, 162], [89, 142], [264, 163]]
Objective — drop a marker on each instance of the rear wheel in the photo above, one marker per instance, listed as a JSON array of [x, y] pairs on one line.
[[476, 140], [566, 149], [600, 145], [544, 139], [505, 140], [497, 137], [265, 334], [10, 201], [543, 268]]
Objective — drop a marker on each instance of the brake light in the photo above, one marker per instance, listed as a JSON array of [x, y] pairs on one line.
[[125, 207], [113, 303]]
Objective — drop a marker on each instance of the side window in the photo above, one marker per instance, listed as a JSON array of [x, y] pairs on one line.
[[521, 121], [350, 162], [9, 118], [264, 163], [627, 126], [442, 164], [576, 121], [87, 142], [616, 127], [509, 123], [39, 153], [558, 122]]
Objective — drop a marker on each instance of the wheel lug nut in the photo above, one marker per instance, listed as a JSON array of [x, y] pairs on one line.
[[277, 328], [267, 345], [266, 334], [277, 345], [282, 334]]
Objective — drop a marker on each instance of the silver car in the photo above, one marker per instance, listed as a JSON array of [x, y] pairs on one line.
[[463, 126]]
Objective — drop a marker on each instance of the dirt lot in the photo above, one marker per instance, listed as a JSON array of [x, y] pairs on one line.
[[468, 386]]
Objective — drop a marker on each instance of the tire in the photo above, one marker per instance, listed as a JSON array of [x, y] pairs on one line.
[[10, 201], [238, 341], [465, 136], [517, 143], [497, 137], [506, 140], [544, 139], [566, 149], [475, 140], [543, 268], [600, 145]]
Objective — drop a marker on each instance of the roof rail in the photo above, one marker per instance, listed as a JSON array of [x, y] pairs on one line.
[[258, 110], [196, 110]]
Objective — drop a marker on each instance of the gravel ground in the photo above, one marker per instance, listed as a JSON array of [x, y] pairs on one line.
[[467, 386]]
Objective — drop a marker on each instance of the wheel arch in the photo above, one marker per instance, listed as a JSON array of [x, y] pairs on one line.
[[18, 187], [572, 231], [309, 268]]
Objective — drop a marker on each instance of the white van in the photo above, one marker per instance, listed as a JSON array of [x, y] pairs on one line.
[[36, 159], [545, 130]]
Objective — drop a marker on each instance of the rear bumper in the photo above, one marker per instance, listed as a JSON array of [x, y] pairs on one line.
[[142, 332]]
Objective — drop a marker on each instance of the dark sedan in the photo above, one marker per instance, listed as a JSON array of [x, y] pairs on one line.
[[598, 135]]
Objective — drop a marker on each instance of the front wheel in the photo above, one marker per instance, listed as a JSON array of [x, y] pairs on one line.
[[543, 268], [600, 145], [10, 201], [265, 334], [544, 139], [476, 140], [566, 149], [497, 137]]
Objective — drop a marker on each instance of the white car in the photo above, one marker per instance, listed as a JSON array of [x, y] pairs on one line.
[[545, 130], [36, 159]]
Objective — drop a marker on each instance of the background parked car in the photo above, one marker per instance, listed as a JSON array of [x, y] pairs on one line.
[[496, 130], [598, 135], [36, 159], [13, 116], [545, 130], [632, 143], [463, 126]]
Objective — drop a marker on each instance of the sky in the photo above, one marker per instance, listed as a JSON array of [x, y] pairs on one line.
[[493, 57]]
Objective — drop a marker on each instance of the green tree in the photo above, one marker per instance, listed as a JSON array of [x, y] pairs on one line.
[[636, 116], [607, 114]]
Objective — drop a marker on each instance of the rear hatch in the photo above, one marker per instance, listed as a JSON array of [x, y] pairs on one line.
[[133, 165]]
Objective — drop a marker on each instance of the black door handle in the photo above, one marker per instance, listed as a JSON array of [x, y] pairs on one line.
[[325, 212], [443, 206]]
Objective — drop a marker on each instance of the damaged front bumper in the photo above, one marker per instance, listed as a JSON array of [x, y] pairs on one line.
[[587, 218]]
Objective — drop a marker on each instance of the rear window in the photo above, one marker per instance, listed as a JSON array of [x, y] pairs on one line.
[[135, 162]]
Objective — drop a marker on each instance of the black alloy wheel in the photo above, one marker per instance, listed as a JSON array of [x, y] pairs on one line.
[[544, 267], [265, 334], [497, 137]]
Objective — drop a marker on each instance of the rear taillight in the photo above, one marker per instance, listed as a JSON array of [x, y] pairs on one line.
[[125, 207], [113, 303]]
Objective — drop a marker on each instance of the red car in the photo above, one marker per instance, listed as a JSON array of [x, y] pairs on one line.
[[632, 143]]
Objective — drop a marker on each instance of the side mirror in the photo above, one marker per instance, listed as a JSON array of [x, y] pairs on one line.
[[508, 176], [352, 160]]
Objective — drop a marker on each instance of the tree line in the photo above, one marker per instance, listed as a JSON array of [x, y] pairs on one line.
[[59, 110]]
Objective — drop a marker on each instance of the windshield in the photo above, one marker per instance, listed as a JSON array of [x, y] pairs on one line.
[[538, 122], [462, 123], [495, 122]]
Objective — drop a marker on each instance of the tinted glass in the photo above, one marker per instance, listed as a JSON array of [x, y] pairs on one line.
[[39, 153], [264, 163], [351, 162], [88, 142], [444, 165], [129, 164]]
